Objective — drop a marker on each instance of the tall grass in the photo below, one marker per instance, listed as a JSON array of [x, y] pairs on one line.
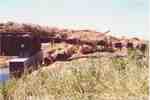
[[103, 78]]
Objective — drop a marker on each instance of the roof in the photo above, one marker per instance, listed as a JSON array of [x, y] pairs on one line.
[[18, 60]]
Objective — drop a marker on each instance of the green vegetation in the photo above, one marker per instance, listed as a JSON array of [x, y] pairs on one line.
[[100, 78]]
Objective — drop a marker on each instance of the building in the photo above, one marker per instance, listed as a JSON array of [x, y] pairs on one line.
[[18, 44]]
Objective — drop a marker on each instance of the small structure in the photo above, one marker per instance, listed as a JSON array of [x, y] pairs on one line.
[[17, 66]]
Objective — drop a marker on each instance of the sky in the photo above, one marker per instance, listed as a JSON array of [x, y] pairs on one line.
[[122, 17]]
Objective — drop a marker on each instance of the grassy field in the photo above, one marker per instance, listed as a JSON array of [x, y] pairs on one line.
[[100, 78]]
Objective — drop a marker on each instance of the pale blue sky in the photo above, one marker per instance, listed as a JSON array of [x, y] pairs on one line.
[[120, 16]]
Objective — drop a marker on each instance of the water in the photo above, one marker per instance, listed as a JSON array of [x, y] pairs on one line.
[[4, 74]]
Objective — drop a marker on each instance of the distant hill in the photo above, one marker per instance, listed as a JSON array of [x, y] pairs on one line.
[[17, 27], [37, 29], [53, 31]]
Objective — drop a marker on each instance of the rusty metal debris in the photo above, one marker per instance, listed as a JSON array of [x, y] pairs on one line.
[[103, 43]]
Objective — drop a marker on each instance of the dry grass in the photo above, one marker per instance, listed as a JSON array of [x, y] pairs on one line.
[[104, 78]]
